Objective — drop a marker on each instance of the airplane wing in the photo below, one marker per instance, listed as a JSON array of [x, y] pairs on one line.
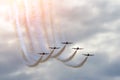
[[78, 48], [40, 53], [69, 42], [43, 53], [85, 54], [54, 47], [81, 48], [63, 42], [46, 53], [74, 48], [88, 54], [57, 47], [51, 47], [66, 42], [91, 54]]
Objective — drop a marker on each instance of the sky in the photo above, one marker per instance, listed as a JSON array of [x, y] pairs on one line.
[[92, 24]]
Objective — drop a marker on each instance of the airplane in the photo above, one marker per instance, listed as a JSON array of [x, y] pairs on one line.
[[66, 42], [54, 47], [78, 48], [88, 54], [43, 53]]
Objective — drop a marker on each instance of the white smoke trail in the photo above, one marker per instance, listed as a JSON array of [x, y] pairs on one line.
[[10, 18], [25, 54], [69, 58], [20, 34], [78, 65], [43, 22], [59, 53], [28, 26], [40, 60], [39, 34], [36, 63], [50, 3], [38, 27], [48, 57]]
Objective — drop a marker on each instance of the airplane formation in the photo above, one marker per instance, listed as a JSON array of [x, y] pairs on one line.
[[69, 58], [54, 52]]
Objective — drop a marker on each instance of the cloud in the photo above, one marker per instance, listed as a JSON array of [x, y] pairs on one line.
[[91, 24], [112, 69]]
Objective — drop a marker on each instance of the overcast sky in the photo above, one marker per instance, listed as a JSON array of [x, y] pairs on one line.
[[92, 24]]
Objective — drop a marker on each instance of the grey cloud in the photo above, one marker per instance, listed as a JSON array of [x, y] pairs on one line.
[[112, 69], [83, 22], [10, 66], [20, 77], [80, 23]]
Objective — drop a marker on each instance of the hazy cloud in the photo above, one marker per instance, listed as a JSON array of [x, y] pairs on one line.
[[93, 24]]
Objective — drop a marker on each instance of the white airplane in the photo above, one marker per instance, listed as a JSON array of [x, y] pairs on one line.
[[43, 53], [78, 48], [88, 54], [54, 47], [66, 42]]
